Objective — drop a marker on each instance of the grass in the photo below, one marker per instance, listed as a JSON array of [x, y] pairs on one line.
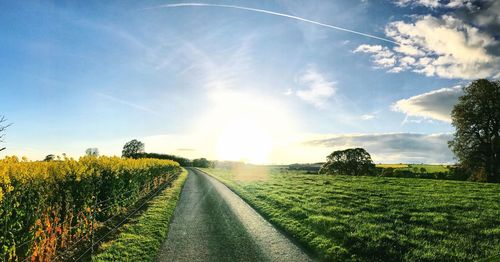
[[375, 218], [141, 239]]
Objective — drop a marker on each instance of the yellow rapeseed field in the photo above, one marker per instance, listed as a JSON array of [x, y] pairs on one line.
[[46, 206]]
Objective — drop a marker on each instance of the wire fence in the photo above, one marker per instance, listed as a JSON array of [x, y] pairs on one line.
[[92, 240]]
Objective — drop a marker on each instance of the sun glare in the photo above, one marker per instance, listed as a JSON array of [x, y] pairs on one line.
[[244, 141], [245, 127]]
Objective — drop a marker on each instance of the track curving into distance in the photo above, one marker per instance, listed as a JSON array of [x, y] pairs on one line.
[[211, 223]]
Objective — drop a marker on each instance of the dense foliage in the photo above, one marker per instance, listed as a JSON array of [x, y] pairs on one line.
[[348, 218], [476, 118], [352, 161], [46, 206], [199, 162], [132, 147]]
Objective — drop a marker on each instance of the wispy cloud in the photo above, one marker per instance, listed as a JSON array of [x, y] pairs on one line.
[[127, 103], [368, 116], [381, 55], [213, 71], [318, 88], [272, 13]]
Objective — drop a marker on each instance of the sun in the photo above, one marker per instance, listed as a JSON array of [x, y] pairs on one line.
[[244, 140], [242, 126]]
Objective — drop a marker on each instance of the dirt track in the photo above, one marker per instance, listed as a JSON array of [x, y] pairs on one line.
[[211, 223]]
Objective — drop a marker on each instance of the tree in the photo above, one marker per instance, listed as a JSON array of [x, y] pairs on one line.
[[132, 147], [476, 118], [92, 151], [50, 157], [3, 127], [201, 162], [353, 161]]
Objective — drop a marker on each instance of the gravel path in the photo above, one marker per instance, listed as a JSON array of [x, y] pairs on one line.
[[211, 223]]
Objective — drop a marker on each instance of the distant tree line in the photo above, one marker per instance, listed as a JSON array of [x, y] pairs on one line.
[[135, 149], [308, 168], [200, 162], [453, 173]]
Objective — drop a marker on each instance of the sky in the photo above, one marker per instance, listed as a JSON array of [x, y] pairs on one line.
[[271, 82]]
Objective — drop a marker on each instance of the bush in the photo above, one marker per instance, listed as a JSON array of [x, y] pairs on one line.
[[44, 206]]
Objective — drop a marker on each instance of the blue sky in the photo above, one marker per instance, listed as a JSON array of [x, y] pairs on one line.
[[227, 83]]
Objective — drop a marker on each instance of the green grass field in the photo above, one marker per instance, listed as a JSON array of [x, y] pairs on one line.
[[375, 218]]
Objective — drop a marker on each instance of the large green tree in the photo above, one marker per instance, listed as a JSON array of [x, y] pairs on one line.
[[132, 148], [476, 118], [352, 161]]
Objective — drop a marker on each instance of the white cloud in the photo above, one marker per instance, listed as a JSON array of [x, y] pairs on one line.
[[318, 88], [368, 116], [434, 3], [427, 3], [381, 55], [394, 147], [437, 46], [436, 104]]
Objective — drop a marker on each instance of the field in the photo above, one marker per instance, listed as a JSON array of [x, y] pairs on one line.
[[49, 207], [411, 167], [392, 165], [375, 218]]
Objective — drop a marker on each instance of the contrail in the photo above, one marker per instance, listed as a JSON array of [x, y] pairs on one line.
[[273, 13]]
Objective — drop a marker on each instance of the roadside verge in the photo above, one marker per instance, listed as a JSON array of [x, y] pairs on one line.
[[140, 239]]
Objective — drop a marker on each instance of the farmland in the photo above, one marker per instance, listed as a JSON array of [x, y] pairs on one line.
[[375, 218], [416, 167], [49, 206]]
